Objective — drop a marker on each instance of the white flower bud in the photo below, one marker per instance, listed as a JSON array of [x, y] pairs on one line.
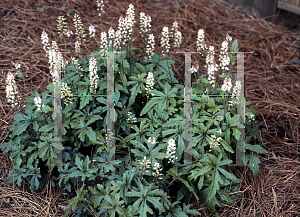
[[92, 31]]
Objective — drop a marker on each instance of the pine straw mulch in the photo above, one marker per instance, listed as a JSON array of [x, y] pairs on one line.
[[271, 84]]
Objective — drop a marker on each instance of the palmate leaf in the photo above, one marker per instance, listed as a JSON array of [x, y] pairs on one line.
[[124, 186], [20, 117], [98, 196], [34, 175], [176, 211], [16, 175], [139, 134], [161, 98], [112, 206], [138, 82], [216, 179], [177, 176], [75, 200], [153, 121], [199, 172], [146, 194], [187, 210], [147, 150], [45, 148], [21, 127]]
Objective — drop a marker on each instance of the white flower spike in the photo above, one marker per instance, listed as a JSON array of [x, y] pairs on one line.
[[171, 151]]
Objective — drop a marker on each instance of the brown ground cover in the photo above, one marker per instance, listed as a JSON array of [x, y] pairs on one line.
[[271, 83]]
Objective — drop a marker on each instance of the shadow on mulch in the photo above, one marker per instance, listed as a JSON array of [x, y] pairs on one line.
[[271, 83]]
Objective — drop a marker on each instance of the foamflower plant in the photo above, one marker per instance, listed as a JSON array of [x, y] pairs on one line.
[[148, 126]]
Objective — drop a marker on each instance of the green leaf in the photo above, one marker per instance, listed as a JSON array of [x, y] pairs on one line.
[[150, 104], [227, 174], [255, 148], [70, 12], [41, 9], [50, 87], [20, 75], [139, 68], [226, 146], [84, 100], [20, 117], [235, 46], [199, 172], [47, 128], [91, 134], [190, 211], [47, 109], [113, 206], [98, 196], [254, 161], [21, 127], [123, 79]]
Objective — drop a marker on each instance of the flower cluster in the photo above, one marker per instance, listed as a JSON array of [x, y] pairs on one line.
[[178, 39], [53, 49], [215, 141], [104, 45], [17, 65], [45, 41], [211, 66], [38, 102], [200, 41], [224, 58], [145, 164], [122, 29], [144, 23], [117, 41], [65, 91], [150, 82], [171, 150], [195, 68], [129, 31], [78, 28], [174, 29], [227, 84], [100, 6], [126, 25], [69, 32], [11, 90], [150, 46], [151, 140], [93, 74], [165, 40], [61, 26], [111, 34], [77, 46], [77, 66], [236, 92], [130, 117], [228, 38], [130, 19], [92, 31], [157, 170]]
